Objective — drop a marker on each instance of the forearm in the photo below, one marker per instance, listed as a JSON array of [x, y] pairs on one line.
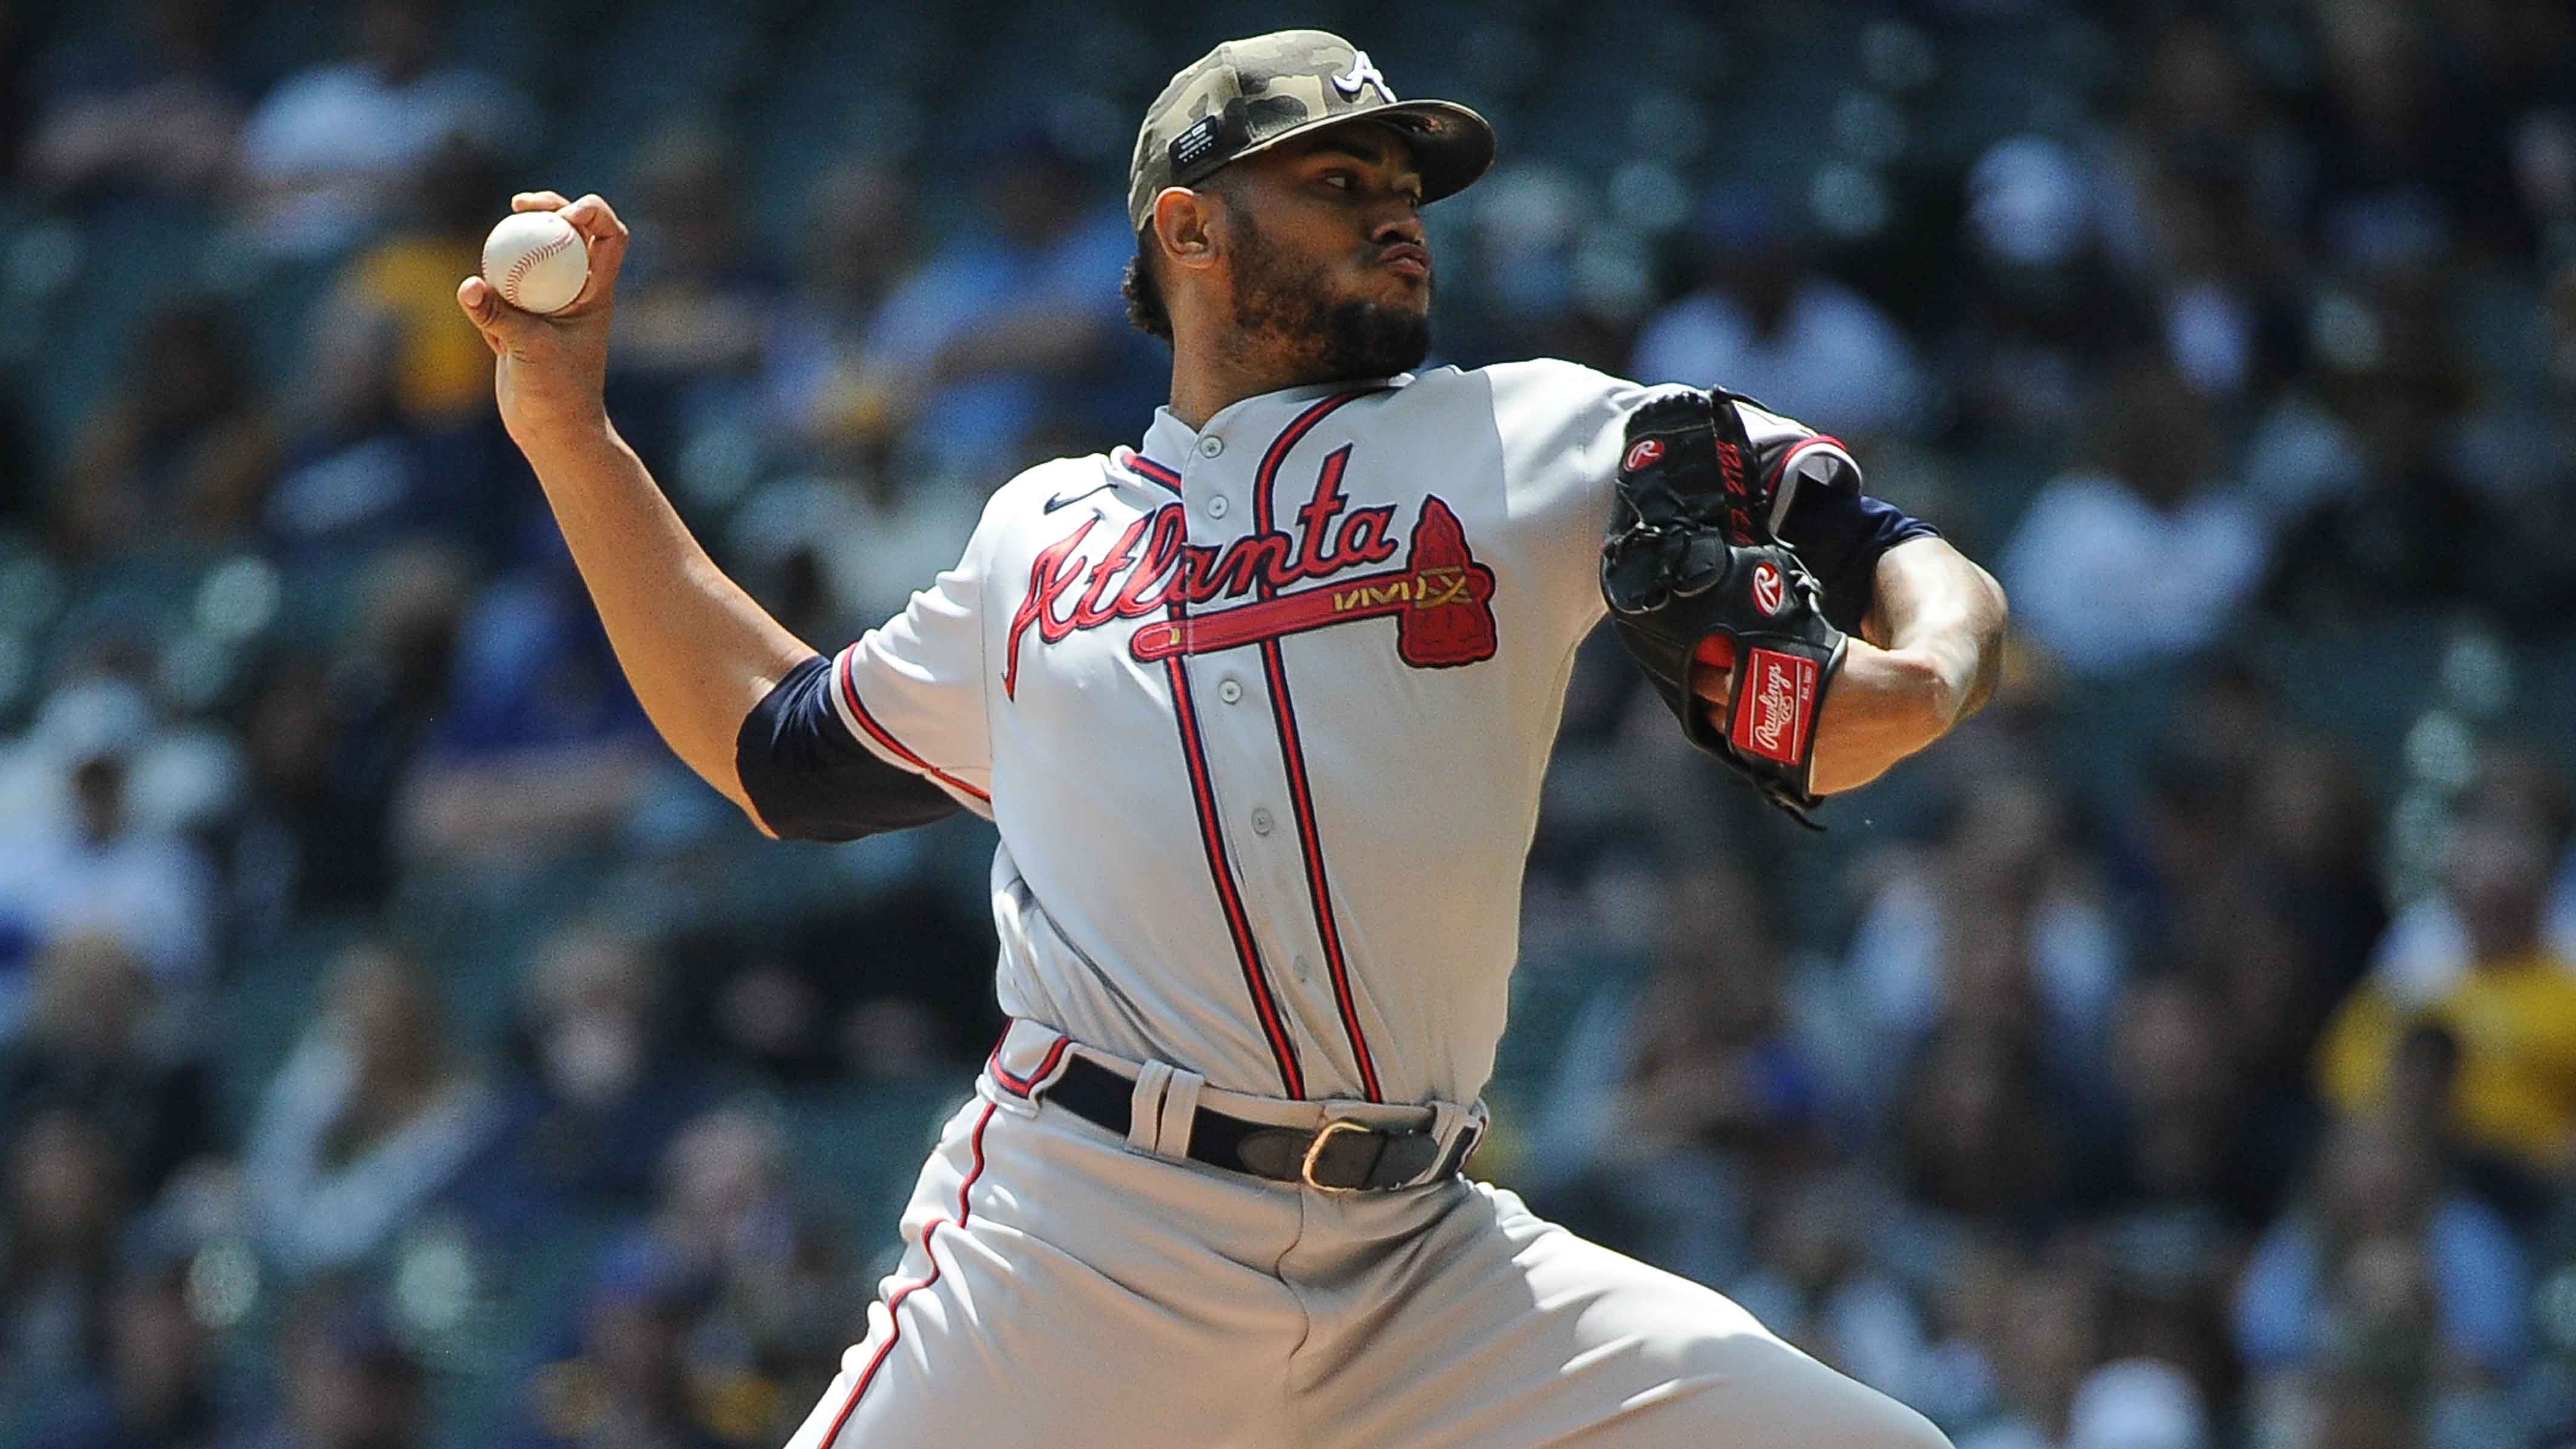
[[1884, 705], [1931, 657], [698, 651]]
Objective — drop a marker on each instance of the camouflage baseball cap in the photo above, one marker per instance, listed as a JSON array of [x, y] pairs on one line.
[[1248, 95]]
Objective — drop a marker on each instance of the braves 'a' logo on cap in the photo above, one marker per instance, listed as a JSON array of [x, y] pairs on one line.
[[1766, 587], [1363, 73]]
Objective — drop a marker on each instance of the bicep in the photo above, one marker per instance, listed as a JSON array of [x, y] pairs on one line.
[[1922, 587]]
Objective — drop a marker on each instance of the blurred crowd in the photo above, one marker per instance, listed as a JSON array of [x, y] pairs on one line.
[[399, 1050]]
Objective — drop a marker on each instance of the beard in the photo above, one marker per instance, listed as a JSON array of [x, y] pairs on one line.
[[1286, 303]]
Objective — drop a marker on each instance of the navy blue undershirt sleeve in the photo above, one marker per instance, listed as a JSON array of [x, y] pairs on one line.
[[1839, 534], [811, 780]]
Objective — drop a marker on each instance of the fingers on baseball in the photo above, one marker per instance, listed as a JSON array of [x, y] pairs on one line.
[[604, 235], [538, 201]]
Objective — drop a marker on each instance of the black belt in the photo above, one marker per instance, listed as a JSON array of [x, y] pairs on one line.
[[1340, 1156]]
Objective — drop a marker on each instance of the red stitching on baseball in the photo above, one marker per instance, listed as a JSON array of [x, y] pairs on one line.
[[527, 259]]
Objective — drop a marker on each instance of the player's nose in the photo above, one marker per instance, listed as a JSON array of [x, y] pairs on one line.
[[1398, 223]]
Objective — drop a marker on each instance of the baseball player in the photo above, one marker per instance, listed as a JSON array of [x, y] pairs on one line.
[[1260, 708]]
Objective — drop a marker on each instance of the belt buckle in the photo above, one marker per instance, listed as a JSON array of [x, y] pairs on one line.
[[1315, 1152]]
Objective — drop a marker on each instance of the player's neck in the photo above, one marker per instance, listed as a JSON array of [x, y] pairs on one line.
[[1209, 376]]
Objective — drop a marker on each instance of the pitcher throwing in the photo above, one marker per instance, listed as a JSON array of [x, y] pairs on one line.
[[1260, 709]]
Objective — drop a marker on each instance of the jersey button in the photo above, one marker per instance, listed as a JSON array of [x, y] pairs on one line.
[[1211, 445], [1216, 506], [1230, 690], [1261, 822], [1301, 970]]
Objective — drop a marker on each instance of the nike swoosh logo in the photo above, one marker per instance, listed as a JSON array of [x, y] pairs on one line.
[[1061, 499]]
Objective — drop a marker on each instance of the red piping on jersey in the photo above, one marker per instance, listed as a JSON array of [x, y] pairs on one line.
[[894, 1324], [878, 732], [1283, 1051], [1146, 468], [1292, 751], [1023, 1086]]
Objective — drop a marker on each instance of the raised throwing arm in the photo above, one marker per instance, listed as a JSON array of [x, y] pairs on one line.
[[698, 651]]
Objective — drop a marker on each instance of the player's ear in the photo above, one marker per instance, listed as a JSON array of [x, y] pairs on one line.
[[1184, 221]]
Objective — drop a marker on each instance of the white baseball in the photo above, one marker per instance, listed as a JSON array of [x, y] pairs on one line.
[[536, 261]]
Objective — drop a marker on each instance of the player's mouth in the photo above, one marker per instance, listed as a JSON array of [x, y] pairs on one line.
[[1407, 259]]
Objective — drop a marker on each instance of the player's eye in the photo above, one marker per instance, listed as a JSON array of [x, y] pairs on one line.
[[1340, 180]]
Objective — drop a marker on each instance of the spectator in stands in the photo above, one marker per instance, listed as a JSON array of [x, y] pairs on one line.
[[1981, 1142], [2312, 846], [2513, 1011], [601, 1089], [369, 1120], [184, 458], [398, 437], [2230, 329], [2247, 955], [2386, 1262], [348, 1380], [328, 739], [2004, 909], [60, 1207], [2046, 1340], [1691, 1088], [2179, 1155], [2204, 194], [784, 1290], [691, 309], [1766, 322], [1007, 329], [2516, 451], [442, 382], [540, 746], [158, 116], [2046, 303], [630, 1380], [2408, 151], [2356, 465], [2426, 949], [2137, 554], [98, 867], [1815, 1280], [157, 1388], [2204, 104], [333, 149], [92, 1048], [855, 246]]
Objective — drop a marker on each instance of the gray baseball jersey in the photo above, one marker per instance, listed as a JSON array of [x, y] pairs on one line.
[[1262, 711]]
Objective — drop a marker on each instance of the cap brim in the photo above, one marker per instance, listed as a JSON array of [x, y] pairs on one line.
[[1452, 145]]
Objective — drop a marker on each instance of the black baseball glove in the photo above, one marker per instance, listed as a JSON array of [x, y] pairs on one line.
[[1694, 575]]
